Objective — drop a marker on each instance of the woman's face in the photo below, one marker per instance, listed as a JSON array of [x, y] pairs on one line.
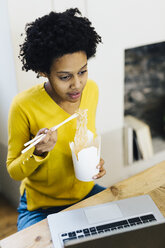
[[68, 77]]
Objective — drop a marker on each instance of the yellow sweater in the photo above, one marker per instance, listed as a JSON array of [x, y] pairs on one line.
[[48, 181]]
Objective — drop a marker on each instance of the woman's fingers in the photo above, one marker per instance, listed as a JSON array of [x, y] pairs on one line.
[[102, 171], [100, 164], [47, 143], [51, 136], [42, 131]]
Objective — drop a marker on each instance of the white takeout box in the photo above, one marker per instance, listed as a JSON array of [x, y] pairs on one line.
[[88, 159]]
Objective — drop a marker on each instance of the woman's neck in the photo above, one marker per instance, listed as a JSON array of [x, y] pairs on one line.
[[68, 107]]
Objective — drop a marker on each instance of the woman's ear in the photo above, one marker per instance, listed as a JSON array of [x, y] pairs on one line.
[[42, 74]]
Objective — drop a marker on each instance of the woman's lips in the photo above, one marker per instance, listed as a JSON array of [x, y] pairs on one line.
[[75, 95]]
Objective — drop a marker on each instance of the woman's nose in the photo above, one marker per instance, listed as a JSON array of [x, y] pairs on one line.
[[76, 82]]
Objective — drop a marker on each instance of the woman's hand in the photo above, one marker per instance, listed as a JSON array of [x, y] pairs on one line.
[[102, 171], [47, 143]]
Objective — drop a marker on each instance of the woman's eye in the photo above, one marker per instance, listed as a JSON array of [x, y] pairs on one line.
[[82, 72], [65, 78]]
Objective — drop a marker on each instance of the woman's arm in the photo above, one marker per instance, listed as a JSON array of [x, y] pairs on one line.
[[20, 165]]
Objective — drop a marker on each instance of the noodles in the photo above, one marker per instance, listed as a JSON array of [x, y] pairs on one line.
[[81, 136]]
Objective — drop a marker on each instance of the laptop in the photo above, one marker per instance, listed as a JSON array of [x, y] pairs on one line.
[[86, 227]]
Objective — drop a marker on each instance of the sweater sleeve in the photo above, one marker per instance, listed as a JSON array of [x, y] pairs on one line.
[[20, 165]]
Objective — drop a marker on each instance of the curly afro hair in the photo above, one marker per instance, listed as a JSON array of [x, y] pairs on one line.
[[55, 35]]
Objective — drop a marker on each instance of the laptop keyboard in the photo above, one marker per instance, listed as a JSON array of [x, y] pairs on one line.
[[110, 227]]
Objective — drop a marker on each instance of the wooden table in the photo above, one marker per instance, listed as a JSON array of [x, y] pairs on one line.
[[150, 181]]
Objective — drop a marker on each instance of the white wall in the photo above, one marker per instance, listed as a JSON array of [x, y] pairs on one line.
[[122, 24], [8, 88], [22, 12], [8, 85]]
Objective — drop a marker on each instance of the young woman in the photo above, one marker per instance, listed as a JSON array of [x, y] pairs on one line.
[[57, 46]]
